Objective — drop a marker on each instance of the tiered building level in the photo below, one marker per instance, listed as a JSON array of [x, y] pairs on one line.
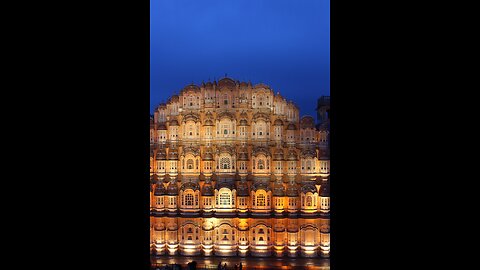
[[235, 171]]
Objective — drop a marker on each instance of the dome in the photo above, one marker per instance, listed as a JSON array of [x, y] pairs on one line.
[[207, 189], [173, 155], [242, 190], [225, 184], [208, 156], [278, 122], [278, 96], [243, 122], [307, 122], [153, 178], [243, 156], [226, 82], [278, 154], [161, 127], [174, 98], [291, 126], [191, 117], [208, 122], [159, 226], [160, 155], [191, 87], [172, 188], [308, 153], [292, 228], [243, 84], [292, 155], [226, 114], [190, 185], [261, 186], [261, 85], [159, 189], [278, 190], [173, 122], [208, 85], [308, 188], [292, 190], [278, 227]]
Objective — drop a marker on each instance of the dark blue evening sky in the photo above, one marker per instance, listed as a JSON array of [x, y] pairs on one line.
[[284, 44]]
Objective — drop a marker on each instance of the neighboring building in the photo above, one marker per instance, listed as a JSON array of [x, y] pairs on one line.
[[235, 171], [323, 116], [323, 111]]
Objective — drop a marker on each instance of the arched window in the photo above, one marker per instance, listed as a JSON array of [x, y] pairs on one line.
[[225, 163], [309, 200], [261, 164], [261, 200], [189, 199], [225, 99], [190, 164], [190, 130], [225, 198]]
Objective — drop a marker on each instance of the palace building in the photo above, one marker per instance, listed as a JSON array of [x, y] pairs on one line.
[[235, 171]]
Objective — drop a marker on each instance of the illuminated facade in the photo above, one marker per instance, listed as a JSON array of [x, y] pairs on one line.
[[235, 171]]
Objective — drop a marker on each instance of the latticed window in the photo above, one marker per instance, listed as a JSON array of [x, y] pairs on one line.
[[260, 131], [309, 200], [190, 164], [261, 164], [189, 199], [261, 200], [225, 162], [225, 198]]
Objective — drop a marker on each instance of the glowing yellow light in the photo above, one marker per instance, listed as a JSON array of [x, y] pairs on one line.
[[308, 248]]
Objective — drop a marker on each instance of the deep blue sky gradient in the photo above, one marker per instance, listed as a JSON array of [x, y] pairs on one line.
[[284, 44]]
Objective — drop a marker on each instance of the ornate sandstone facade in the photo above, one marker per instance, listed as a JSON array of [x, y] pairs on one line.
[[235, 171]]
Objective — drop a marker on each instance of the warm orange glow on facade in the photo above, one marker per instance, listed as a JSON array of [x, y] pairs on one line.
[[235, 171]]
